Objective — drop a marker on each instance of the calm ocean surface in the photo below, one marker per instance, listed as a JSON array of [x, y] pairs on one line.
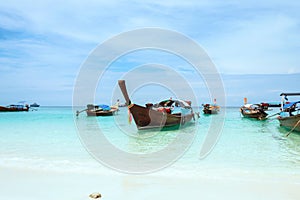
[[47, 139]]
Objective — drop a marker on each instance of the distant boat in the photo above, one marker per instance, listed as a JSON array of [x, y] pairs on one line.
[[290, 113], [254, 111], [101, 110], [14, 108], [168, 113], [34, 105], [120, 104], [123, 105], [257, 111], [211, 108]]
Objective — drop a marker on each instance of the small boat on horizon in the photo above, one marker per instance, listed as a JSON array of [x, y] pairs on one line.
[[167, 113], [14, 108], [120, 104], [289, 117], [35, 105]]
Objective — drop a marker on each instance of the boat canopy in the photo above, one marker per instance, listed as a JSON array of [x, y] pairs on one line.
[[250, 105], [170, 102], [272, 104], [15, 106], [290, 94], [290, 104], [104, 107]]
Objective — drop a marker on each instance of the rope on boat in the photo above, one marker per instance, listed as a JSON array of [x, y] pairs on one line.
[[293, 128]]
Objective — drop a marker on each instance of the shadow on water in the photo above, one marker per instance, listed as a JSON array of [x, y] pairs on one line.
[[154, 140], [168, 128], [258, 126], [290, 146], [252, 119], [285, 130], [135, 141]]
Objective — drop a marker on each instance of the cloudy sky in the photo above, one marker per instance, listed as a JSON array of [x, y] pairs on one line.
[[43, 44]]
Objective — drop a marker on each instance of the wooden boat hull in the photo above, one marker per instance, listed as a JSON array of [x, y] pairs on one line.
[[257, 114], [211, 108], [292, 122], [100, 113], [15, 109], [210, 111], [147, 118]]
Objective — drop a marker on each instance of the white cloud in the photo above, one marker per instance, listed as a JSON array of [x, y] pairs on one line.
[[260, 45], [55, 37]]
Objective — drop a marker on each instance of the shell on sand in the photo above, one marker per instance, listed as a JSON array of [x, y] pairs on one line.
[[95, 195]]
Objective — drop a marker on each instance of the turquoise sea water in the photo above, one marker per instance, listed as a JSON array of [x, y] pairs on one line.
[[47, 139]]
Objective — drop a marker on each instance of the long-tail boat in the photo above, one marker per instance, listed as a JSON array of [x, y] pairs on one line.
[[167, 113], [254, 111], [14, 108], [99, 110], [211, 108], [257, 111], [290, 113]]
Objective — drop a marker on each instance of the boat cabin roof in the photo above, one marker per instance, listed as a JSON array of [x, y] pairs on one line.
[[103, 106], [290, 94], [248, 105], [15, 106], [290, 104], [251, 105], [170, 102]]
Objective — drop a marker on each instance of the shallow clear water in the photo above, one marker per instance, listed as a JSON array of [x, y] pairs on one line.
[[48, 139]]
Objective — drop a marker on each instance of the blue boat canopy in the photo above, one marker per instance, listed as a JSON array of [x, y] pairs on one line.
[[104, 107], [290, 104]]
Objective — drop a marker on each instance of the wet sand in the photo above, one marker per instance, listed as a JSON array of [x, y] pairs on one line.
[[49, 185]]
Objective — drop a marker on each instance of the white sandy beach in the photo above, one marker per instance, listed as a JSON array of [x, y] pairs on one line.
[[49, 185]]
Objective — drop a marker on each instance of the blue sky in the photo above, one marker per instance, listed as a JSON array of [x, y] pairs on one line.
[[44, 43]]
